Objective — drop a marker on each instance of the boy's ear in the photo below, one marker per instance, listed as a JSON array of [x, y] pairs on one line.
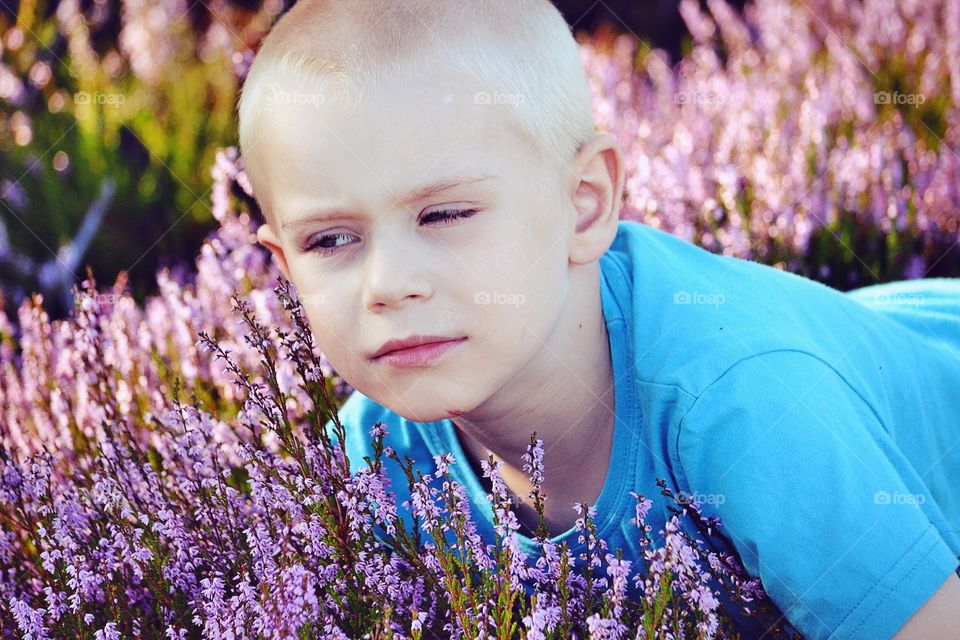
[[269, 239], [597, 189]]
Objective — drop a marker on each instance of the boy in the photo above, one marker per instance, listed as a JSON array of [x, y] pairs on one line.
[[430, 175]]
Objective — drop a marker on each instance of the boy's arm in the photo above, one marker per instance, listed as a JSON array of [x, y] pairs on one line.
[[938, 618], [815, 496]]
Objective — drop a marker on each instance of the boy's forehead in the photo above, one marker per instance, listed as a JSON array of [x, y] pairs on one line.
[[431, 96], [399, 138], [429, 92]]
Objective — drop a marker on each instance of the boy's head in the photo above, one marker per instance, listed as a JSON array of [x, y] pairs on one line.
[[365, 109]]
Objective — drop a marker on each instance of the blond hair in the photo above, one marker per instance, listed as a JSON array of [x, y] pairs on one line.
[[521, 52]]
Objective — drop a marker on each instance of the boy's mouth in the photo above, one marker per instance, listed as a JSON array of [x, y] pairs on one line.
[[406, 343], [415, 351]]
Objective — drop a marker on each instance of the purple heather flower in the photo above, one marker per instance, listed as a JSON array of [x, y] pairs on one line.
[[533, 463]]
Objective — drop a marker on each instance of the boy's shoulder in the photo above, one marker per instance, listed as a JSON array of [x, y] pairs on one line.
[[694, 314]]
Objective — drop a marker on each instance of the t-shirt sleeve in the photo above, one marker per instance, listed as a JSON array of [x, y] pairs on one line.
[[814, 495]]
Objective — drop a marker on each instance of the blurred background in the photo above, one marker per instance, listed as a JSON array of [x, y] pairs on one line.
[[111, 113], [820, 139]]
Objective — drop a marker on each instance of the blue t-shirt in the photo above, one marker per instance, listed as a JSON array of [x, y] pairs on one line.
[[821, 427]]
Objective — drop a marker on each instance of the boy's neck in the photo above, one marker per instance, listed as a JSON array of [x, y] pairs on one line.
[[562, 487], [567, 397]]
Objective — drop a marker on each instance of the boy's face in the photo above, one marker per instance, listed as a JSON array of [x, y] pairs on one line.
[[394, 268]]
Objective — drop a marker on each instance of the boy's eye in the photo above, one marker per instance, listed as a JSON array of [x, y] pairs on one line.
[[327, 244], [322, 244]]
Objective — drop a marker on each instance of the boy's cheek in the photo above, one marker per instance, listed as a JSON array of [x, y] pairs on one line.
[[323, 333], [339, 341]]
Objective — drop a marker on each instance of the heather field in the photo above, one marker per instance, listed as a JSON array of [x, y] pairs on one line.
[[165, 466]]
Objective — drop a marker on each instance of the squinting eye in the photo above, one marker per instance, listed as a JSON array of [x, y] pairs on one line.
[[445, 216], [321, 244]]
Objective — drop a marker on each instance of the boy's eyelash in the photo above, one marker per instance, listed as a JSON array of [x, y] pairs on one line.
[[444, 215], [451, 214]]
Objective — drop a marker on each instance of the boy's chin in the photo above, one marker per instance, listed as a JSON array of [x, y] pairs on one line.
[[428, 414], [427, 401]]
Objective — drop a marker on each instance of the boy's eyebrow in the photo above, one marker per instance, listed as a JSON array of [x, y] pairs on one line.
[[418, 193]]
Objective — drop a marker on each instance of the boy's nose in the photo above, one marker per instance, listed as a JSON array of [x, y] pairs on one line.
[[392, 276]]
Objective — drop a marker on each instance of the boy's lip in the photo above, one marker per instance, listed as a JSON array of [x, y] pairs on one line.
[[406, 343]]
